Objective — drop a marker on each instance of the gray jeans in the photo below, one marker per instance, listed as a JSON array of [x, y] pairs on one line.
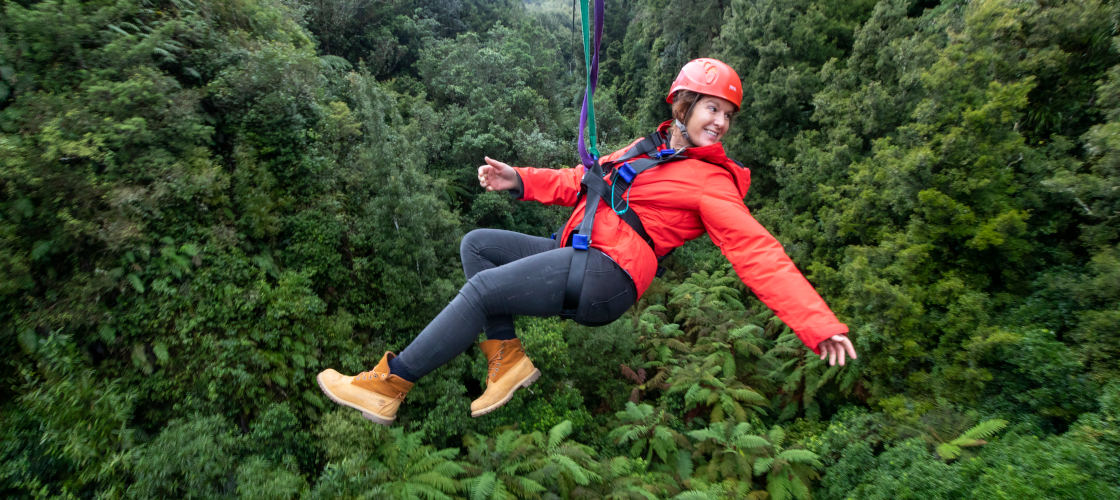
[[510, 274]]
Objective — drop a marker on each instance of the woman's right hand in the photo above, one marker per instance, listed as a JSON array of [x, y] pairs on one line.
[[497, 176], [836, 348]]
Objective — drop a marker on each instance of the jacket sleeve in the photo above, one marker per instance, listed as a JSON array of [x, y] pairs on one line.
[[764, 267], [550, 186]]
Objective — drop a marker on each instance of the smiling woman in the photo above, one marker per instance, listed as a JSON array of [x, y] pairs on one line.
[[606, 255]]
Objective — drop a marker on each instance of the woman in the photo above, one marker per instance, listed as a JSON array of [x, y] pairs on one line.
[[694, 188]]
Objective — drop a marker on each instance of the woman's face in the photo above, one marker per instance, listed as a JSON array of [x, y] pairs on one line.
[[711, 117]]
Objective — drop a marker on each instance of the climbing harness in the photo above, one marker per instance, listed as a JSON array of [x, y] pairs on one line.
[[594, 186]]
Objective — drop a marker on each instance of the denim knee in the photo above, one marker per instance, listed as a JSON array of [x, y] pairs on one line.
[[471, 241]]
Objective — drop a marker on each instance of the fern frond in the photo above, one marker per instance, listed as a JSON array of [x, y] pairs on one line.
[[678, 346], [762, 465], [558, 433], [799, 489], [777, 435], [620, 466], [435, 480], [749, 330], [752, 442], [693, 495], [659, 379], [797, 456], [636, 490], [684, 466], [663, 434], [692, 395], [482, 487], [705, 434], [749, 396], [524, 487], [429, 492], [779, 486], [981, 431], [948, 451], [574, 470]]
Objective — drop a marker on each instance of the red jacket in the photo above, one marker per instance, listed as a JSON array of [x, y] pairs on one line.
[[679, 201]]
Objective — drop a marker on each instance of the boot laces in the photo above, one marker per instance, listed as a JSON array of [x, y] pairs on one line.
[[370, 375], [496, 362], [373, 375]]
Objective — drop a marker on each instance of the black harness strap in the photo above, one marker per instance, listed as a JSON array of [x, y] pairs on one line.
[[622, 172]]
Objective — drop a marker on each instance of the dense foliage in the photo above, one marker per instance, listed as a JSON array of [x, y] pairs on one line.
[[205, 203]]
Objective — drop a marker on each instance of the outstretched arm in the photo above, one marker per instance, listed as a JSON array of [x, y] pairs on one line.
[[762, 264]]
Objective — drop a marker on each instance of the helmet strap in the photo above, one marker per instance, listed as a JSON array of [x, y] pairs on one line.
[[681, 126], [683, 130]]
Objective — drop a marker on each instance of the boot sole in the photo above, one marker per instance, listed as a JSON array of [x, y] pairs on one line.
[[526, 382], [368, 416]]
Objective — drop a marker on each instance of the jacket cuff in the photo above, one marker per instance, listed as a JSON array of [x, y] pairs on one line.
[[518, 193]]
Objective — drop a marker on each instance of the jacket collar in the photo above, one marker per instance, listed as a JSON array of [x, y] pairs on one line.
[[714, 154]]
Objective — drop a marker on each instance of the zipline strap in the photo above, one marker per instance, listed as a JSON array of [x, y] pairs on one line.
[[588, 152]]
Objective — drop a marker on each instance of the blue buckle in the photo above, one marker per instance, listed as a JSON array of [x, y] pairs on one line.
[[663, 153], [553, 236], [580, 241], [627, 172]]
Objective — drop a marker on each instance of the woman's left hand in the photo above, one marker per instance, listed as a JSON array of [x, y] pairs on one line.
[[835, 348]]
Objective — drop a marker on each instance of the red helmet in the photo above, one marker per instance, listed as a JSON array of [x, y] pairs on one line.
[[710, 77]]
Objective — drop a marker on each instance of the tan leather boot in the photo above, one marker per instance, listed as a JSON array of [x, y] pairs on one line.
[[376, 393], [510, 369]]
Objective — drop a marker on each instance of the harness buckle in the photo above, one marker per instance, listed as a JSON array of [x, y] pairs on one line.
[[581, 241], [664, 153], [626, 171]]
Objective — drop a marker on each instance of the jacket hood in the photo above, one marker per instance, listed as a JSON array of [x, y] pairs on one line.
[[714, 154]]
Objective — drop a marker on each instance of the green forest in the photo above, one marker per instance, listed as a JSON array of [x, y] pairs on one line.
[[205, 203]]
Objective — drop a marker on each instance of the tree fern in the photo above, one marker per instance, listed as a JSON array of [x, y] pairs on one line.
[[647, 432], [508, 460], [568, 463], [628, 478], [482, 487], [728, 450], [403, 463], [788, 472]]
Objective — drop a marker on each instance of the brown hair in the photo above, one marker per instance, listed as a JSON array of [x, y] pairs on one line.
[[682, 103]]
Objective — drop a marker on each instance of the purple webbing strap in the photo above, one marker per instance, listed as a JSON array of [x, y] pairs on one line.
[[589, 153]]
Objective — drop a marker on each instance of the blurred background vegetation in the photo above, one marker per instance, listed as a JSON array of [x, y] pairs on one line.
[[205, 203]]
